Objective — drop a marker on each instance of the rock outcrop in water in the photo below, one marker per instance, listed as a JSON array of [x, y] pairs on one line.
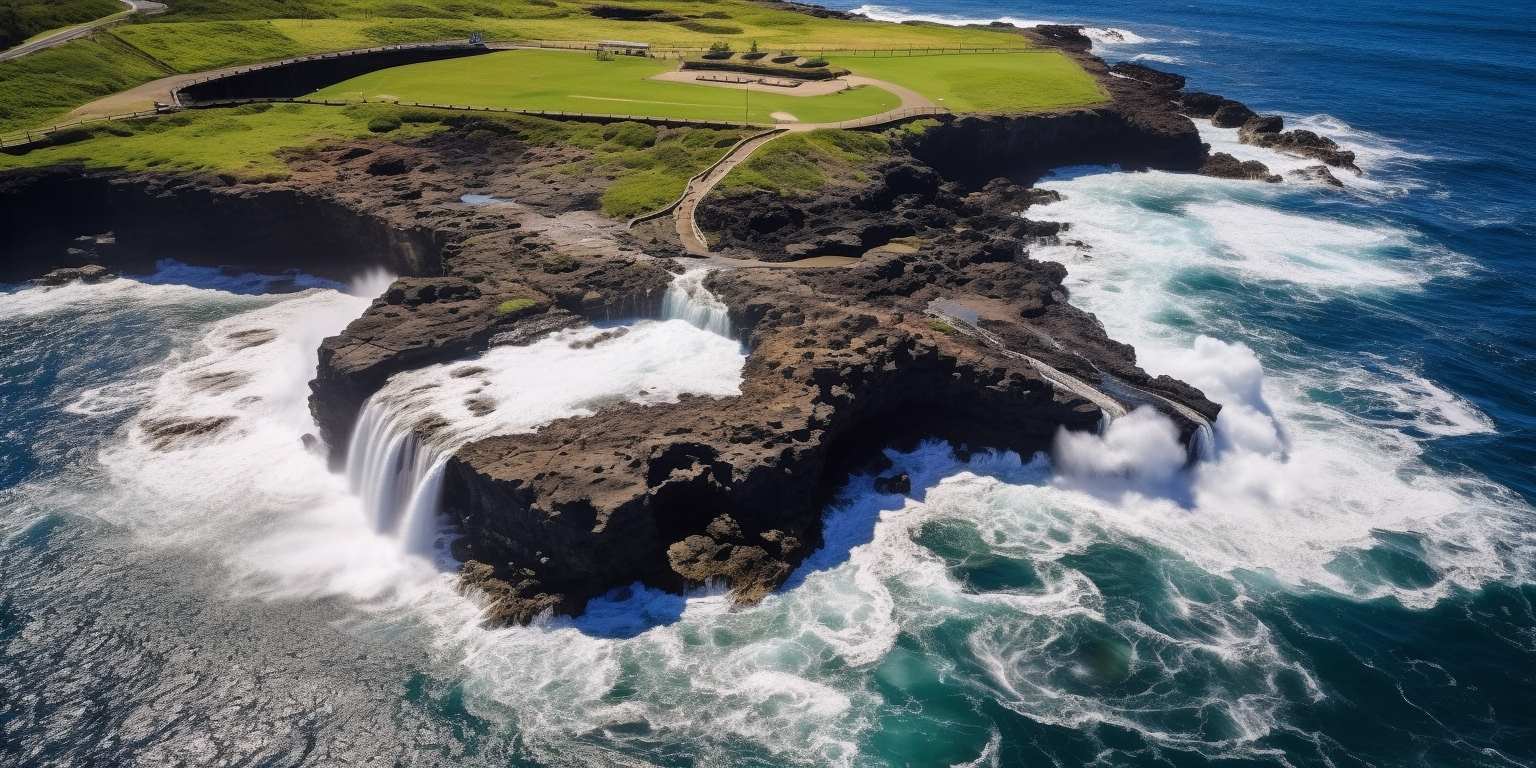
[[945, 327]]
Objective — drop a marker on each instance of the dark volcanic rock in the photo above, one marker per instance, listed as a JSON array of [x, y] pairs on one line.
[[1064, 36], [1307, 144], [1156, 78], [1224, 166], [1318, 173], [1201, 104], [90, 273], [1262, 124], [1232, 114]]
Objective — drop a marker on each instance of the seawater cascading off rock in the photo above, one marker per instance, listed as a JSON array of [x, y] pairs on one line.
[[687, 299], [408, 429]]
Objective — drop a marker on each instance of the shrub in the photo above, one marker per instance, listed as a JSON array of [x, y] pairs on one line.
[[513, 305], [815, 63], [941, 326], [630, 134], [719, 46], [383, 124], [753, 56]]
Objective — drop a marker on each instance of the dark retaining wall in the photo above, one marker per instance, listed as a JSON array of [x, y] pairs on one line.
[[300, 78]]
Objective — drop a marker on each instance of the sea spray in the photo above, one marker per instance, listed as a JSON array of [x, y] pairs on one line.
[[1301, 479]]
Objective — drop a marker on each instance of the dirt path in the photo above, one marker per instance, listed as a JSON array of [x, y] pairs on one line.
[[80, 30]]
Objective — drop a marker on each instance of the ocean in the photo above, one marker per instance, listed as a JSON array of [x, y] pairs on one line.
[[1349, 580]]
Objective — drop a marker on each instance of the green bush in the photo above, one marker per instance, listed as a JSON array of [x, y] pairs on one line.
[[383, 124], [630, 134], [812, 63], [514, 305]]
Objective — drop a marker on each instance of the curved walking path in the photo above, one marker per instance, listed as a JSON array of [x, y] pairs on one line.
[[687, 228], [80, 30], [688, 231]]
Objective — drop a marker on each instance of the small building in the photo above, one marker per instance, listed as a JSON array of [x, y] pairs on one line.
[[624, 47]]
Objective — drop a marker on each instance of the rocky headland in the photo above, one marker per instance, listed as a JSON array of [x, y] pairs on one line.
[[943, 327]]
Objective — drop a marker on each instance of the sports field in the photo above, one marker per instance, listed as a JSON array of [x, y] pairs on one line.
[[1026, 81], [569, 81]]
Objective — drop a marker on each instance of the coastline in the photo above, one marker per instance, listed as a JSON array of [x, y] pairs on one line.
[[879, 351]]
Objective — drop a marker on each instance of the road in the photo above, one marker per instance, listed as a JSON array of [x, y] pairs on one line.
[[73, 33]]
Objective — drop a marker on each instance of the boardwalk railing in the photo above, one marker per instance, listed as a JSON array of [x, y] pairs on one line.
[[43, 135], [697, 177]]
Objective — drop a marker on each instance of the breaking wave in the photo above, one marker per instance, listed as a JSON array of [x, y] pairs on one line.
[[1102, 37]]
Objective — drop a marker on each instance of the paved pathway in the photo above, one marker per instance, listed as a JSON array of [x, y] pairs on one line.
[[687, 229], [81, 30]]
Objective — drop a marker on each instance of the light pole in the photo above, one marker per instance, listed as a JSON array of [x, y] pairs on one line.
[[746, 112]]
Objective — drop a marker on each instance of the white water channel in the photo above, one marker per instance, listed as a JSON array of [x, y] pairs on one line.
[[407, 431]]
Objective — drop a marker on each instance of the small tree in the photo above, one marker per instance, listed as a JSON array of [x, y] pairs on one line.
[[720, 46], [754, 46]]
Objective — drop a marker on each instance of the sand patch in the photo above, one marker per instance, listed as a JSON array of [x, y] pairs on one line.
[[784, 117]]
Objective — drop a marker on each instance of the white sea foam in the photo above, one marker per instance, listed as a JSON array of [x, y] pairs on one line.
[[1297, 483], [1102, 37], [1376, 156], [1157, 58], [397, 467]]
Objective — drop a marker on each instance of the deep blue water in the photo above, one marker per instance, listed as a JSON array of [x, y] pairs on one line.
[[1351, 582]]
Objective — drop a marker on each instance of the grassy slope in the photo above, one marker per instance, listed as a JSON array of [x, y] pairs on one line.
[[999, 82], [42, 87], [21, 20], [647, 167], [801, 163], [577, 82]]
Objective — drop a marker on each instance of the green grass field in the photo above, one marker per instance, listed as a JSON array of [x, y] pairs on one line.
[[986, 82], [577, 82]]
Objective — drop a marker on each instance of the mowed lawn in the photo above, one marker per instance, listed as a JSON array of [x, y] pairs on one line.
[[1028, 81], [567, 81]]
